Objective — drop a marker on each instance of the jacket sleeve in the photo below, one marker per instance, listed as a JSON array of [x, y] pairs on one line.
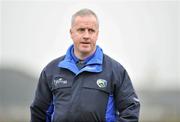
[[126, 100], [42, 100]]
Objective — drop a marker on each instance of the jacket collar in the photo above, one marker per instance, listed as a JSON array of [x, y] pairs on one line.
[[94, 64]]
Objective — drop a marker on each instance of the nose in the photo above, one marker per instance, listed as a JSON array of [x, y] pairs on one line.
[[86, 34]]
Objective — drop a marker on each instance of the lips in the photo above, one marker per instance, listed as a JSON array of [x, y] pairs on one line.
[[85, 43]]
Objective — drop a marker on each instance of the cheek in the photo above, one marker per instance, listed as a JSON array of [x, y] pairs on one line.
[[94, 39], [75, 37]]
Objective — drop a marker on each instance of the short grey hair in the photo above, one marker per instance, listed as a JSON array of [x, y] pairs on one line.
[[82, 13]]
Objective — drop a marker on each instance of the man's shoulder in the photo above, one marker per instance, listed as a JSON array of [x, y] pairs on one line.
[[112, 62], [54, 63]]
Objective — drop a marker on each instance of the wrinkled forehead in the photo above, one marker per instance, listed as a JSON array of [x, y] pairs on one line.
[[89, 21]]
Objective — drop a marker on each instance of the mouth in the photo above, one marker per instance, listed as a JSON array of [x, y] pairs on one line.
[[85, 43]]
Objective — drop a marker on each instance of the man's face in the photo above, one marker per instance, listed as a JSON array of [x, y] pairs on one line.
[[84, 33]]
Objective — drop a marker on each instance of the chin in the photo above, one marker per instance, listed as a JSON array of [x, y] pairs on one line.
[[86, 52]]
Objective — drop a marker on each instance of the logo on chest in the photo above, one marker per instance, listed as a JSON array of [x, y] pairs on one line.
[[101, 83], [59, 80]]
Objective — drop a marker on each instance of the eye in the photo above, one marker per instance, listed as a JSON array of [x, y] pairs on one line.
[[91, 30], [81, 30]]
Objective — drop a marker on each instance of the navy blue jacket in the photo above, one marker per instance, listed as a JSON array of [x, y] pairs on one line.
[[100, 92]]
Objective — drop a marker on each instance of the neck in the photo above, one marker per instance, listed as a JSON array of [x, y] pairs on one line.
[[83, 56]]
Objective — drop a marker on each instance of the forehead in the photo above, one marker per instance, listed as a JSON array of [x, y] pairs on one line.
[[85, 21]]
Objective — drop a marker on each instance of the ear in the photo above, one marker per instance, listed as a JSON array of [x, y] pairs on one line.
[[70, 31], [98, 33]]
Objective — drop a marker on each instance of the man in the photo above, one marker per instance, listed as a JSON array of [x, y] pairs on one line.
[[85, 85]]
